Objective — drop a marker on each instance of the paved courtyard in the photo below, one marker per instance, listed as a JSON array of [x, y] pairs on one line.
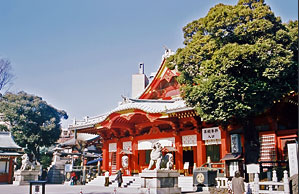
[[66, 189]]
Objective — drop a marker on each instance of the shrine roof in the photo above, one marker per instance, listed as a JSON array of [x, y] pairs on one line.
[[169, 102], [80, 137], [10, 154], [163, 73], [146, 105], [6, 141], [150, 106]]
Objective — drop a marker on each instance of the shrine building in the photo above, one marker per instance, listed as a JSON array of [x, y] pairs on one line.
[[158, 113], [9, 150]]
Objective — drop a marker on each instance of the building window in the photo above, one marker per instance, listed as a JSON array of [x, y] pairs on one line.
[[3, 167], [214, 152], [233, 167]]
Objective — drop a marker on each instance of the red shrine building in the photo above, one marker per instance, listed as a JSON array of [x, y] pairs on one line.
[[158, 113], [9, 150]]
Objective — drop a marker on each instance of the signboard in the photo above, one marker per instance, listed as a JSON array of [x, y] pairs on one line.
[[186, 165], [68, 168], [253, 168], [211, 133], [235, 140], [147, 144], [293, 160]]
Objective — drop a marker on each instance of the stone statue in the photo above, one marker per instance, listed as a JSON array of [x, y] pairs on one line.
[[156, 156], [56, 157], [125, 161], [26, 164], [169, 161]]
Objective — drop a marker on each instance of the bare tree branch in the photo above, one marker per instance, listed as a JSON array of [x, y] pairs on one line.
[[5, 73]]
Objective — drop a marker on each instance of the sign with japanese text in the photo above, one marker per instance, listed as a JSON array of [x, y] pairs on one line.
[[235, 140], [211, 133], [253, 168]]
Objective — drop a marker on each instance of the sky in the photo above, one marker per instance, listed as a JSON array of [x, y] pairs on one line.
[[79, 56]]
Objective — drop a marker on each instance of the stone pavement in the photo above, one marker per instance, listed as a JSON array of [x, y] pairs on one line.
[[67, 189]]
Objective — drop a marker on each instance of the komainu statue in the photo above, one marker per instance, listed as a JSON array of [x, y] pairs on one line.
[[156, 156], [125, 161], [26, 164], [168, 159]]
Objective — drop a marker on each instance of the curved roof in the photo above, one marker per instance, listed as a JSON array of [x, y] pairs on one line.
[[142, 102], [148, 106], [6, 141]]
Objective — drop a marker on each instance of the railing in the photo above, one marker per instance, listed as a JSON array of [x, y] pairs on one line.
[[80, 168], [272, 186], [214, 166], [255, 187], [88, 120], [222, 182], [266, 170]]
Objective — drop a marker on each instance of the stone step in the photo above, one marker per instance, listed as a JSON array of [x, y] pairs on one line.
[[185, 183]]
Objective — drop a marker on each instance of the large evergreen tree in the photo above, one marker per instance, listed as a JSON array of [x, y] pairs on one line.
[[34, 123], [236, 62]]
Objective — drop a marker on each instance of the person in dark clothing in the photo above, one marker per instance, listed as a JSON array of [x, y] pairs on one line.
[[44, 175], [119, 177], [107, 178]]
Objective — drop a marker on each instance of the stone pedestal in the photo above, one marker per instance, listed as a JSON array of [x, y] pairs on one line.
[[159, 182], [23, 177]]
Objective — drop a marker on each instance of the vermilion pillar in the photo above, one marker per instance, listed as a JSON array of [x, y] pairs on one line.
[[201, 151], [179, 153], [225, 142], [195, 155], [142, 161], [134, 157], [105, 155], [118, 155], [10, 170]]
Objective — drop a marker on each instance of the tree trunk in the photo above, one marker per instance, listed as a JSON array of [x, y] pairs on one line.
[[252, 144]]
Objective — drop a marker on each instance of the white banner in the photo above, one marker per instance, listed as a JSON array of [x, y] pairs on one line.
[[189, 140], [147, 144], [211, 133], [293, 160], [127, 145], [112, 147], [253, 168]]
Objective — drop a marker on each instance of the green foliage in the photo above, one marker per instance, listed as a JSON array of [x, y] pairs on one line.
[[45, 160], [18, 163], [77, 162], [237, 60], [34, 123], [3, 128]]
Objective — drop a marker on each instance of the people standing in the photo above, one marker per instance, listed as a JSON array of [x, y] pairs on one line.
[[119, 177], [44, 175], [73, 178], [238, 184], [107, 178]]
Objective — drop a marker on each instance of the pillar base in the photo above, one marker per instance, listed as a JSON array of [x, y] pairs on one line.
[[159, 182]]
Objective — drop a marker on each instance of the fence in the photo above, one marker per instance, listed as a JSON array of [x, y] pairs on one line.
[[257, 187], [272, 186]]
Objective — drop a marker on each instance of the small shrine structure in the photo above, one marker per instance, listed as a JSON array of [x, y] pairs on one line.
[[9, 150]]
